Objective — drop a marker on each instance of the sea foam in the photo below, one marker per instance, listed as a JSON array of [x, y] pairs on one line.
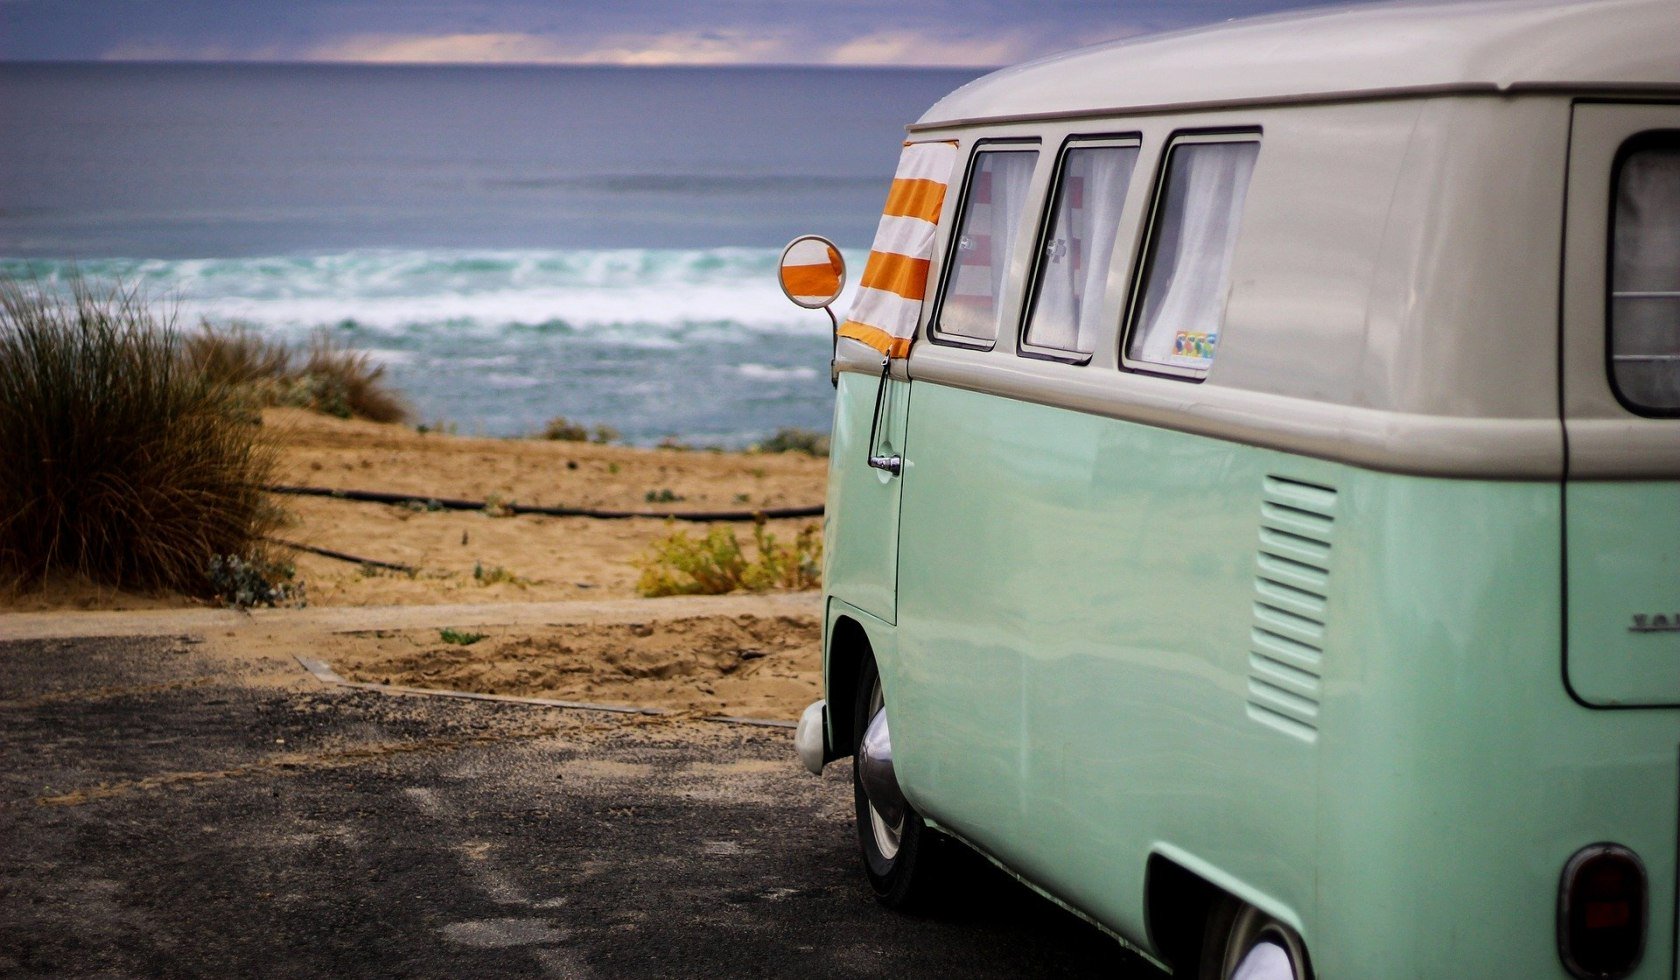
[[652, 341], [617, 291]]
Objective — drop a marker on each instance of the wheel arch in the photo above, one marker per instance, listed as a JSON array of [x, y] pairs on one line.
[[848, 644], [1177, 902], [1179, 897]]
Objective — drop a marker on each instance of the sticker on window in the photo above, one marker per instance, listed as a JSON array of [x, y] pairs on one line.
[[1188, 268]]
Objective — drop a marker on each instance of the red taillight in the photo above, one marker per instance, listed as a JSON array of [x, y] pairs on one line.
[[1601, 912]]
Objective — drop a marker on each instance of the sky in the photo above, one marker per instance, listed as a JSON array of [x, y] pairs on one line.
[[625, 32]]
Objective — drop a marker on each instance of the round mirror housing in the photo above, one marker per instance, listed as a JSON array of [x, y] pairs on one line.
[[812, 272]]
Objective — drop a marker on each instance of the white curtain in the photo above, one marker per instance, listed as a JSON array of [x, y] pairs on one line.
[[1073, 269], [991, 220], [1645, 280], [1190, 270]]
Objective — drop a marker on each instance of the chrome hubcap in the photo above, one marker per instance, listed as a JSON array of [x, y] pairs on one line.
[[1266, 961], [886, 829], [1258, 948]]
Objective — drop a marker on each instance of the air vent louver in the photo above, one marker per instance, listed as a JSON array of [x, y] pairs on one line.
[[1292, 590]]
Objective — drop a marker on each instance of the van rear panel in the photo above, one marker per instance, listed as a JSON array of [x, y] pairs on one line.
[[1622, 588]]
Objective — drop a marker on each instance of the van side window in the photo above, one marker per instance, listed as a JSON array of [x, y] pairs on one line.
[[1073, 263], [1193, 233], [1645, 277], [992, 208]]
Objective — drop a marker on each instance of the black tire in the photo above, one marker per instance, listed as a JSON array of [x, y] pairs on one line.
[[1235, 930], [904, 877]]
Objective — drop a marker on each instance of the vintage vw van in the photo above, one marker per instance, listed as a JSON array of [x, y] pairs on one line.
[[1265, 537]]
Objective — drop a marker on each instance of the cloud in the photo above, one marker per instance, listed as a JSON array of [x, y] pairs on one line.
[[914, 48], [792, 44], [689, 48], [671, 48], [711, 47], [491, 47], [637, 32]]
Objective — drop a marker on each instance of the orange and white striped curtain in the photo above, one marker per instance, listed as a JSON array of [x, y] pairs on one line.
[[889, 298]]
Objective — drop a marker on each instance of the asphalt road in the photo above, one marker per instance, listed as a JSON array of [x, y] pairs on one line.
[[163, 812]]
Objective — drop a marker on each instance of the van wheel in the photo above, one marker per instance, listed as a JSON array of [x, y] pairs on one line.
[[900, 856], [1243, 943]]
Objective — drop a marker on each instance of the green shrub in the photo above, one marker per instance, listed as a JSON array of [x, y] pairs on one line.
[[460, 638], [715, 564], [244, 583], [795, 441], [123, 463]]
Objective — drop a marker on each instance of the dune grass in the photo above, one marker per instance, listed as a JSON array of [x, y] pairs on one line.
[[125, 464], [327, 376]]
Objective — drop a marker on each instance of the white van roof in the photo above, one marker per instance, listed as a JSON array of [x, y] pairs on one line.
[[1347, 52]]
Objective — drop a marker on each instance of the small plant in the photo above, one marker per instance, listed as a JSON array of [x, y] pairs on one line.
[[674, 444], [439, 426], [612, 468], [563, 429], [496, 575], [496, 505], [459, 638], [664, 495], [244, 583], [715, 564], [795, 441]]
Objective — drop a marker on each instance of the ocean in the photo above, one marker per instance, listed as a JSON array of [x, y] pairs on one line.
[[512, 243]]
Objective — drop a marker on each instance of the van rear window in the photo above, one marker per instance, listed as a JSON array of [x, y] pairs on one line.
[[1074, 262], [1645, 277], [1192, 236], [992, 207]]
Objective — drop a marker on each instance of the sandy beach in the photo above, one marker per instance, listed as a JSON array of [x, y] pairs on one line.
[[759, 664]]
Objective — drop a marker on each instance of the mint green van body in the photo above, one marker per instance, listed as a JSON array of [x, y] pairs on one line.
[[1366, 625]]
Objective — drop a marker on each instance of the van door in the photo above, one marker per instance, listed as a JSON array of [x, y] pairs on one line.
[[861, 554], [1621, 405]]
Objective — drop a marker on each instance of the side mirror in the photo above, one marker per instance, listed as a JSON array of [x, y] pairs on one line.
[[812, 272]]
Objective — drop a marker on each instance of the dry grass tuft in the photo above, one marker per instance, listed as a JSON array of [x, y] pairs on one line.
[[346, 383], [124, 464], [331, 378]]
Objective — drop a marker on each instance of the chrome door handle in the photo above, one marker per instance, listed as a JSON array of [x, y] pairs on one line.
[[894, 463]]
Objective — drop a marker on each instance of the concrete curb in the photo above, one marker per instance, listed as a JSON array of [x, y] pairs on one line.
[[346, 619]]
